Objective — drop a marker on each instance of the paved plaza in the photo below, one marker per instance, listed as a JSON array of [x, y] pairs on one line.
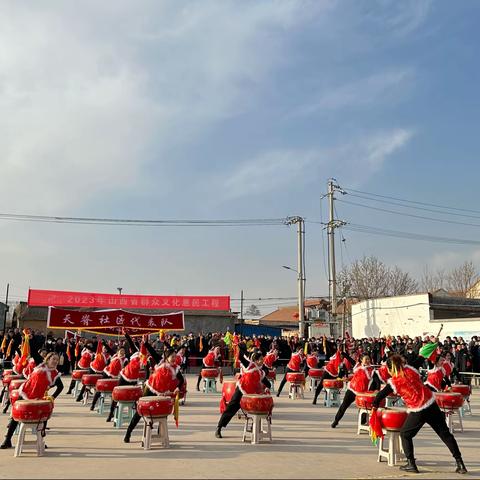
[[82, 445]]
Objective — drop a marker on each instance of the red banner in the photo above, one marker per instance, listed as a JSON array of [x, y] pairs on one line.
[[58, 298], [112, 322]]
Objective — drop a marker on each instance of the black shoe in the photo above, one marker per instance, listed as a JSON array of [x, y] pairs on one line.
[[69, 392], [5, 410], [92, 408], [460, 466], [410, 466], [218, 433], [109, 419], [314, 402], [334, 424], [78, 399], [126, 439], [6, 444]]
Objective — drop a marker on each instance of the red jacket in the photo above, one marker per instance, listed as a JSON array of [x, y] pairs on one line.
[[29, 368], [38, 383], [410, 387], [99, 363], [250, 382], [312, 361], [163, 380], [382, 373], [85, 360], [270, 359], [212, 360], [435, 377], [448, 368], [361, 380], [115, 366], [132, 371], [295, 363]]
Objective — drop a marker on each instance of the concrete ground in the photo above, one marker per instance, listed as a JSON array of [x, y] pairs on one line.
[[82, 445]]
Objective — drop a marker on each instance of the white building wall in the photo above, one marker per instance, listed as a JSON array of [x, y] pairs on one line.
[[406, 315]]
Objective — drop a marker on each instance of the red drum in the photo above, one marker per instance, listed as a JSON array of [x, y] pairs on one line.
[[106, 384], [272, 374], [333, 383], [315, 373], [365, 400], [32, 411], [228, 389], [393, 418], [78, 374], [154, 407], [90, 379], [142, 375], [295, 377], [464, 390], [209, 372], [127, 393], [257, 404], [14, 396], [8, 378], [15, 384], [449, 401]]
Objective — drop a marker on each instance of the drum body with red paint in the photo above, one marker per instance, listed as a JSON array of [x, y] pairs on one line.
[[127, 393], [154, 407], [257, 404], [32, 411]]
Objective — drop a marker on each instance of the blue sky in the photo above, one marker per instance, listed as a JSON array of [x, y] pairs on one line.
[[208, 109]]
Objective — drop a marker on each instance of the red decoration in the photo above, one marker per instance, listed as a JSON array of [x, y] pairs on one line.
[[112, 322], [57, 298]]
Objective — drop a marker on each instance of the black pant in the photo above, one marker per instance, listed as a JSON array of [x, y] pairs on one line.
[[436, 419], [326, 376], [348, 399], [232, 408], [136, 416], [97, 393], [84, 387], [121, 382], [284, 380]]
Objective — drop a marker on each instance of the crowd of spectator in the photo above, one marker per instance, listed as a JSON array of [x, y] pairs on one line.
[[465, 354]]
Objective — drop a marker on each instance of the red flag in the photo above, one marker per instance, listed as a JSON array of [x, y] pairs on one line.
[[77, 349], [375, 424], [69, 352], [143, 353]]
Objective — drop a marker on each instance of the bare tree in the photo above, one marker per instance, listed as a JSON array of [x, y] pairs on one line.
[[252, 310], [401, 283], [431, 281], [461, 279], [371, 278]]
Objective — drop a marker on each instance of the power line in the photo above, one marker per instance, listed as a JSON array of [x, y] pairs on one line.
[[144, 222], [407, 235], [441, 212], [413, 201], [422, 217]]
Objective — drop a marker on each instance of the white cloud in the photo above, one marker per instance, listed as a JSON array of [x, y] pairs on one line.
[[86, 90], [272, 170], [378, 89]]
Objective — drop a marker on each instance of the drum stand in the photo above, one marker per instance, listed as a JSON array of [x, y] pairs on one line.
[[332, 397], [296, 391], [260, 426], [39, 443], [209, 385], [120, 415], [394, 453], [162, 432], [450, 420], [361, 427]]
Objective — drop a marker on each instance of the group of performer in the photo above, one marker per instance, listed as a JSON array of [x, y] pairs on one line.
[[164, 377]]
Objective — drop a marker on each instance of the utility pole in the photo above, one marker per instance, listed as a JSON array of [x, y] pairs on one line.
[[241, 312], [332, 272], [301, 278]]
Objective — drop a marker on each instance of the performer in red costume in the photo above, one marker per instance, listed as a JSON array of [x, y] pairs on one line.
[[362, 381], [437, 378], [296, 364], [332, 370], [44, 377], [420, 401], [253, 380], [165, 380], [213, 359]]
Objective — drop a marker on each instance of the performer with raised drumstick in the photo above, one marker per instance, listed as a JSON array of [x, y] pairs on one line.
[[43, 378], [296, 364], [363, 380], [167, 379], [253, 380], [420, 401]]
